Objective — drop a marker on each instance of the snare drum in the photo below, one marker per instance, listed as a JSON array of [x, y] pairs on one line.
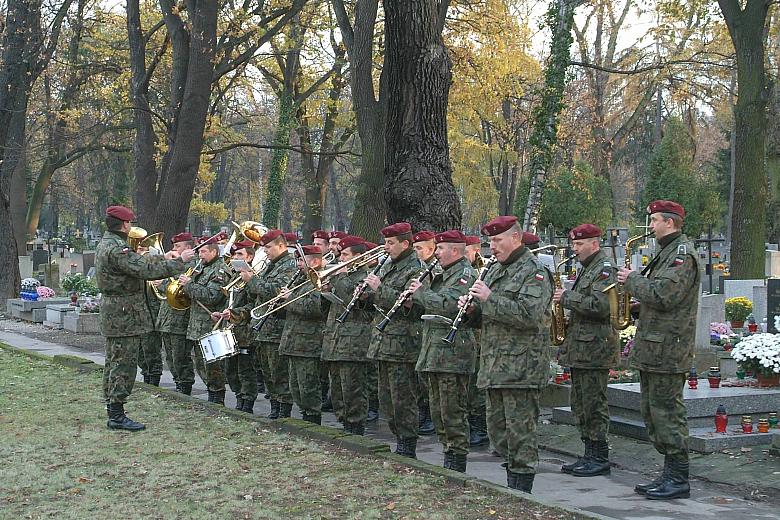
[[218, 344]]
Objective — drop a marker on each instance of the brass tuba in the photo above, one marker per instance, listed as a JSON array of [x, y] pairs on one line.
[[154, 246], [558, 325], [134, 237], [619, 298]]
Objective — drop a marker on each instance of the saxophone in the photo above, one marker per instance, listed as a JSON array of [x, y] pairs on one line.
[[619, 298], [558, 325]]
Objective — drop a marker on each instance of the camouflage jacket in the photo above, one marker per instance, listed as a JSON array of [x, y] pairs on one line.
[[591, 341], [669, 297], [351, 338], [242, 305], [153, 304], [400, 341], [120, 274], [304, 325], [206, 288], [515, 338], [170, 320], [441, 298], [265, 286]]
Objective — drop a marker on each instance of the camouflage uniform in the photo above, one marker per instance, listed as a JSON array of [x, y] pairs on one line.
[[172, 325], [301, 344], [265, 286], [124, 316], [591, 346], [447, 366], [206, 287], [150, 354], [515, 363], [663, 348], [397, 348], [240, 370], [346, 356]]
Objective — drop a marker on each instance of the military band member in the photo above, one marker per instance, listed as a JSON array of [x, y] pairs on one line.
[[172, 324], [424, 247], [150, 354], [321, 238], [204, 288], [590, 349], [397, 348], [240, 370], [124, 317], [301, 342], [334, 237], [514, 305], [372, 377], [668, 294], [531, 241], [447, 367], [345, 355], [264, 286], [477, 420]]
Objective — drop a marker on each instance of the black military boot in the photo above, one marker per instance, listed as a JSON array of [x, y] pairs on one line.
[[185, 388], [524, 482], [425, 425], [448, 459], [146, 378], [568, 468], [154, 380], [274, 410], [373, 410], [348, 427], [239, 403], [407, 447], [597, 464], [117, 420], [511, 477], [217, 397], [358, 428], [260, 383], [643, 488], [313, 418], [458, 462], [248, 406], [285, 410], [177, 387], [675, 485], [478, 430], [327, 403]]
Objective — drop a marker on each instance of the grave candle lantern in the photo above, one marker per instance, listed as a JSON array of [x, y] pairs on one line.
[[747, 424], [721, 419], [693, 381], [772, 419], [763, 426], [714, 377]]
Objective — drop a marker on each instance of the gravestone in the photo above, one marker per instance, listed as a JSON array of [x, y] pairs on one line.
[[734, 288], [759, 303], [39, 257], [772, 263], [82, 323], [25, 267], [28, 310], [52, 273], [772, 303], [711, 309], [55, 314]]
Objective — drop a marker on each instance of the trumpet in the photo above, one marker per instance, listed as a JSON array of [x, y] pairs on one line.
[[619, 298], [482, 272], [405, 296], [558, 325]]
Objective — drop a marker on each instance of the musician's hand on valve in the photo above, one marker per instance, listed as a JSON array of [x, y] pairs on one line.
[[373, 281], [480, 291], [184, 280], [414, 286], [558, 294], [246, 275], [623, 274]]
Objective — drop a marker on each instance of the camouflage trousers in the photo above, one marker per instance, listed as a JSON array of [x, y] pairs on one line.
[[398, 397], [348, 390], [589, 402], [178, 355], [476, 396], [512, 414], [211, 373], [150, 355], [372, 384], [241, 375], [664, 412], [305, 384], [120, 367], [275, 371], [449, 409], [422, 391]]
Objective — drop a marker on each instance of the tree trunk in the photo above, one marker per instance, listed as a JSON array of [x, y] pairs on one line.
[[746, 27], [279, 157], [418, 174]]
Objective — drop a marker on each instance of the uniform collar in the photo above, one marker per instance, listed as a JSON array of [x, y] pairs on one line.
[[403, 255], [455, 263], [515, 255], [284, 255], [119, 234], [668, 239], [587, 261]]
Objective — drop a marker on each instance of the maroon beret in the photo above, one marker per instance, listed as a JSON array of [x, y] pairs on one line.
[[498, 225], [319, 234], [453, 236], [291, 237], [181, 237], [585, 231], [351, 240], [209, 240], [399, 228], [220, 236], [530, 238], [121, 213], [336, 234], [370, 245], [243, 243], [665, 206], [472, 240], [311, 250], [272, 235], [424, 236]]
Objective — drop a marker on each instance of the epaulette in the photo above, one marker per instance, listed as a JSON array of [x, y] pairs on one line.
[[682, 249], [605, 270]]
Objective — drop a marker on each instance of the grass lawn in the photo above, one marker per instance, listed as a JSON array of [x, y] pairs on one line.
[[59, 460]]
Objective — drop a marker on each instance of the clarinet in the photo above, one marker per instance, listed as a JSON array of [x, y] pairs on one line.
[[405, 296], [462, 311], [359, 290], [291, 283]]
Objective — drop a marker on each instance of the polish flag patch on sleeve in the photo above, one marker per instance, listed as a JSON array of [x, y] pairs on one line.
[[462, 282], [539, 277]]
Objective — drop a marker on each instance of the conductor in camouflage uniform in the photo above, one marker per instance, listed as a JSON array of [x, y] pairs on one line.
[[268, 332], [396, 349], [514, 305], [204, 288], [447, 366], [590, 349], [668, 294], [124, 316]]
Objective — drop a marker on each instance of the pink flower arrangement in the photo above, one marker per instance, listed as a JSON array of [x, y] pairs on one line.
[[722, 329], [45, 292]]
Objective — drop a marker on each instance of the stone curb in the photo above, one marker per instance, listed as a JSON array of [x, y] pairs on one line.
[[332, 436]]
